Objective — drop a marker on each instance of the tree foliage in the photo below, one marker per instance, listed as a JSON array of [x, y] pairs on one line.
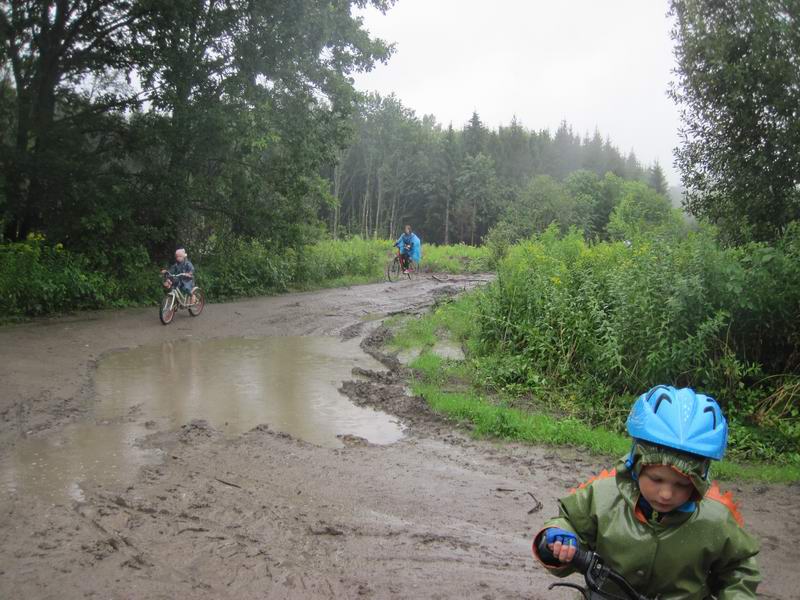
[[141, 122], [640, 209], [133, 126], [738, 68]]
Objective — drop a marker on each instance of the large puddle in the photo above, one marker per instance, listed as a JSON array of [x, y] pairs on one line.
[[289, 383]]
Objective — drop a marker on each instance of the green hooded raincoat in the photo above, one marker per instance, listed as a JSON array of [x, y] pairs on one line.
[[694, 555]]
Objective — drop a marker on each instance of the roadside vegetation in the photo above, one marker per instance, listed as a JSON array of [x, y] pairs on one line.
[[37, 278], [456, 258], [475, 393], [571, 331], [259, 167]]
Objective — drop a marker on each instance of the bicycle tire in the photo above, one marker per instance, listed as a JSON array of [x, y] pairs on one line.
[[394, 270], [413, 269], [199, 304], [166, 311]]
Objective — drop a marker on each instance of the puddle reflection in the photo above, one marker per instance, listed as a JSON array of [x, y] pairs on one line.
[[289, 383]]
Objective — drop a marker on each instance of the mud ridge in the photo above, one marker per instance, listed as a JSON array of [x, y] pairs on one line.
[[375, 343]]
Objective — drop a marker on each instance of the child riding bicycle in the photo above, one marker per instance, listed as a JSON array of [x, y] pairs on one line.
[[410, 248], [183, 269], [656, 519]]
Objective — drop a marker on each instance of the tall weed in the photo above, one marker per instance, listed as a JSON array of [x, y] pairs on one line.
[[458, 258], [592, 325], [335, 259]]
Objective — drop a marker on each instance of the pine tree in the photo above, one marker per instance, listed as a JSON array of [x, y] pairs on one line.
[[656, 179], [474, 136]]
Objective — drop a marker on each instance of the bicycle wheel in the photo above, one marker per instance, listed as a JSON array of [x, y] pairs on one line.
[[199, 302], [166, 312], [394, 270]]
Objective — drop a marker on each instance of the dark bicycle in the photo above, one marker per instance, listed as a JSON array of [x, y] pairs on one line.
[[395, 268], [596, 574]]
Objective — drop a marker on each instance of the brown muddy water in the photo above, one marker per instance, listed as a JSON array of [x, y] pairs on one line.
[[289, 383]]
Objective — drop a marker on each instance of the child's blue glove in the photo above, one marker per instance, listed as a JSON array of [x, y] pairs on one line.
[[567, 538]]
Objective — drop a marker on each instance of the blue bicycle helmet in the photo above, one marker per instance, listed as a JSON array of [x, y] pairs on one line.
[[680, 419]]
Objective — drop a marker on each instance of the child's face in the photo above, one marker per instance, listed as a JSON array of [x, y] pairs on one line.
[[179, 257], [408, 229], [664, 488]]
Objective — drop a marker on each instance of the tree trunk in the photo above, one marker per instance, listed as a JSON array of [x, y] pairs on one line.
[[365, 206], [472, 225], [16, 169], [393, 215], [27, 171], [447, 220], [337, 193], [378, 207]]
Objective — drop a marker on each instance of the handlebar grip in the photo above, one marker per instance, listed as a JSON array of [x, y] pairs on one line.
[[582, 561]]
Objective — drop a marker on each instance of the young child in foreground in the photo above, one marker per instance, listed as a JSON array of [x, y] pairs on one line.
[[655, 519]]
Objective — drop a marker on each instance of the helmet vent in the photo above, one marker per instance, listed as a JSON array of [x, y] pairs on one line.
[[713, 415], [661, 398]]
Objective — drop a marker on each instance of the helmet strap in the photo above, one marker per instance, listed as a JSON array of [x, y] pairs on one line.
[[707, 468], [629, 461]]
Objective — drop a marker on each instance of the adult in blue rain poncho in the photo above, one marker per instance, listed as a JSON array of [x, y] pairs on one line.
[[410, 248]]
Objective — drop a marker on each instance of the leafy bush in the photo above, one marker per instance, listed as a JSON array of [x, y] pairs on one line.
[[36, 279], [238, 267], [640, 209], [587, 327]]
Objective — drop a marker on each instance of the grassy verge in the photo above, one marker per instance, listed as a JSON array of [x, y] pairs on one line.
[[454, 389], [454, 259]]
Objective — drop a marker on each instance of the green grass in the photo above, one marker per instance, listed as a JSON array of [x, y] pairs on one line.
[[454, 318], [458, 258], [497, 421], [585, 327], [491, 415]]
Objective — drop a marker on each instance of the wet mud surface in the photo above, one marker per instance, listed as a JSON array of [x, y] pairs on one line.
[[257, 513], [233, 383]]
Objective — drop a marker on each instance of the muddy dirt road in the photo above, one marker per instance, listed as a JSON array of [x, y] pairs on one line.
[[217, 511]]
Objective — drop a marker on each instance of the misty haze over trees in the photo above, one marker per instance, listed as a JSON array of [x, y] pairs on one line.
[[454, 185]]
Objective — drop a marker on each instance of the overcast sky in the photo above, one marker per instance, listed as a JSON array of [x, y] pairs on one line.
[[602, 64]]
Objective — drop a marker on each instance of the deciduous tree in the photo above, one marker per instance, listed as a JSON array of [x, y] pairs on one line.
[[738, 85]]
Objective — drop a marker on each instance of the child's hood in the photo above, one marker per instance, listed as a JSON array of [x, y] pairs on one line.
[[693, 467]]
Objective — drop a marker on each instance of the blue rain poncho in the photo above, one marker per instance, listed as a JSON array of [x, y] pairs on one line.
[[412, 240], [184, 283]]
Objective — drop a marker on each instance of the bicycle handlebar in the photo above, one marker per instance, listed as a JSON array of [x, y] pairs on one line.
[[596, 573], [582, 561]]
